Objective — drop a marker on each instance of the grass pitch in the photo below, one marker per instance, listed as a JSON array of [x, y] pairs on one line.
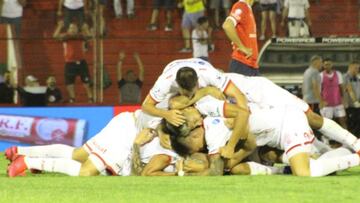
[[345, 187]]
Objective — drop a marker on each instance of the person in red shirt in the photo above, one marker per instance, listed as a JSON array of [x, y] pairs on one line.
[[75, 63], [240, 28]]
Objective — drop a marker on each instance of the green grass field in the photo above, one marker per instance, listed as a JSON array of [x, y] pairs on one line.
[[344, 187]]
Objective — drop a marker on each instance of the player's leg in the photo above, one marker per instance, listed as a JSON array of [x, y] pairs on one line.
[[47, 151], [242, 153], [253, 168], [332, 130]]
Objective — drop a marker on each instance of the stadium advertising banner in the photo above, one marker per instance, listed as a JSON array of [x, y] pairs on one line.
[[48, 125], [42, 130]]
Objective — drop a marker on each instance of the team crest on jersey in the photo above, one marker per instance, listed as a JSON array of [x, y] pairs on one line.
[[215, 121], [238, 12], [201, 62]]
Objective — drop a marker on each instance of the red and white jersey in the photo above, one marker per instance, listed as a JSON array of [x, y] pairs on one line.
[[144, 120], [217, 134], [208, 76]]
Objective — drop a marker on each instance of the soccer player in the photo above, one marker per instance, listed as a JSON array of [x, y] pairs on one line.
[[110, 150], [240, 28], [185, 77], [284, 128]]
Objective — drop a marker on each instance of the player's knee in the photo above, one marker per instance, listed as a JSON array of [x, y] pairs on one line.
[[87, 172], [80, 155]]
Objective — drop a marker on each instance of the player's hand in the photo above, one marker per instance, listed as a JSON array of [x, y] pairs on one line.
[[165, 141], [175, 117], [247, 51], [322, 104], [227, 152], [145, 136]]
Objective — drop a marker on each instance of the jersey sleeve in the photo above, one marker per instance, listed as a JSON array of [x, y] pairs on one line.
[[215, 78], [161, 89], [210, 106]]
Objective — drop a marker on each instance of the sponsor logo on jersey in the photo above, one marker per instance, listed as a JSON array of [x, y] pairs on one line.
[[215, 121]]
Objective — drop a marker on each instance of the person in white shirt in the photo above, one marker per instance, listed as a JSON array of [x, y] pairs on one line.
[[200, 39], [298, 17], [72, 9], [11, 13]]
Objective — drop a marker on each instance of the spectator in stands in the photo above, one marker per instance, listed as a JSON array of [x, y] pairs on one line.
[[297, 12], [129, 9], [53, 93], [200, 39], [193, 10], [32, 94], [268, 10], [352, 95], [169, 6], [72, 9], [216, 6], [332, 91], [75, 63], [240, 28], [6, 89], [11, 13], [311, 84], [130, 85]]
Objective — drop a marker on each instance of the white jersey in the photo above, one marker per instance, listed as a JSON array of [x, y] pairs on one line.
[[217, 134], [266, 94], [208, 76], [282, 128]]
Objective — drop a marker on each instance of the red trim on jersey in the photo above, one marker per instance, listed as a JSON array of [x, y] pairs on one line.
[[107, 166], [305, 143], [153, 98], [90, 149], [169, 158]]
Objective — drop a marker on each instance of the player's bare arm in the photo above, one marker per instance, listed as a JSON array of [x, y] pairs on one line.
[[231, 33], [174, 117], [216, 167], [142, 138], [156, 166]]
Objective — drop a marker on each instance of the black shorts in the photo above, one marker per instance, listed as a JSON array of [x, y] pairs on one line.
[[268, 7], [238, 67], [74, 69], [167, 4]]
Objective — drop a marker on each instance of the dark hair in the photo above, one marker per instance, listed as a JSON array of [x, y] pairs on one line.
[[186, 78], [202, 20], [327, 59], [174, 134]]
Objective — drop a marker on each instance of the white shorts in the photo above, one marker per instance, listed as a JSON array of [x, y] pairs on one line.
[[297, 136], [111, 148], [333, 111]]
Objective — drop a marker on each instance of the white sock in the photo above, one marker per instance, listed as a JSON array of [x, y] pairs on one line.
[[47, 151], [322, 167], [60, 165], [259, 169], [342, 151], [335, 132]]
